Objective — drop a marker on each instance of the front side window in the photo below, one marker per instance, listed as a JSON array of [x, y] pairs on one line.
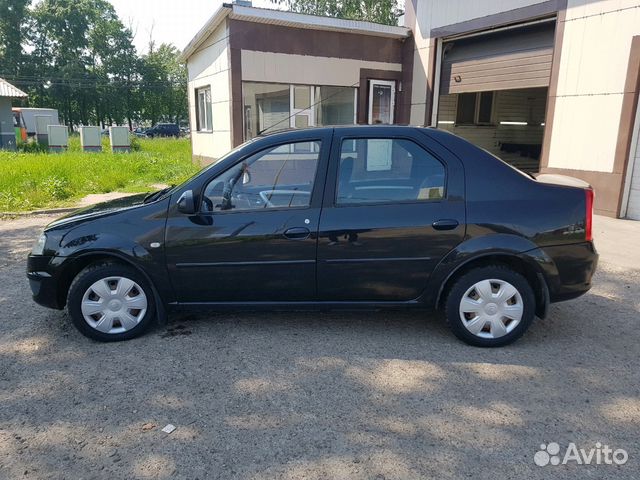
[[203, 107], [384, 170], [279, 177]]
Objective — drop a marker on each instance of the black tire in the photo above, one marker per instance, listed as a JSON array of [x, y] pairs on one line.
[[471, 278], [95, 272]]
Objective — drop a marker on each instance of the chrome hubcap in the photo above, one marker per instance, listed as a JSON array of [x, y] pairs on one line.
[[491, 308], [114, 305]]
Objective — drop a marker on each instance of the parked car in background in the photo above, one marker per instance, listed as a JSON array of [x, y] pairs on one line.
[[345, 217], [163, 130], [140, 132]]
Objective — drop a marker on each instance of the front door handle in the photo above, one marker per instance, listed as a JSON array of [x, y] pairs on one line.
[[445, 224], [297, 233]]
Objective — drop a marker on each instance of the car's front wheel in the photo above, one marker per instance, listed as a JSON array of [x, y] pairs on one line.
[[490, 306], [110, 302]]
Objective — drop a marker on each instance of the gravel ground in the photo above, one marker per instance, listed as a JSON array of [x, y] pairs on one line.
[[316, 395]]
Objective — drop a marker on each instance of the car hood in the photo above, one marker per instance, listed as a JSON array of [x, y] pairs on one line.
[[99, 210]]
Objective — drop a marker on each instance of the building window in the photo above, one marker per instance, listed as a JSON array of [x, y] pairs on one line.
[[475, 108], [203, 109], [274, 106], [335, 105], [266, 105]]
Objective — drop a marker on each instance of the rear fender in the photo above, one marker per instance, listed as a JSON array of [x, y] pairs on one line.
[[509, 247]]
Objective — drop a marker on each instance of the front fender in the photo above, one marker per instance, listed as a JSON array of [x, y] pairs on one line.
[[76, 242], [80, 243]]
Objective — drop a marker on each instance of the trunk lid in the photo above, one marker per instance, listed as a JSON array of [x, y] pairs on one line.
[[562, 180]]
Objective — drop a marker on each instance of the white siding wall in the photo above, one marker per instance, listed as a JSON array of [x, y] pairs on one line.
[[209, 66], [593, 67], [440, 13], [306, 69], [526, 105]]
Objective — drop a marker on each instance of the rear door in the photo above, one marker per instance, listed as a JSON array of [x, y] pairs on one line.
[[393, 208]]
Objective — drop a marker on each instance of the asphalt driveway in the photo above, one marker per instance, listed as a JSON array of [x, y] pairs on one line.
[[320, 395]]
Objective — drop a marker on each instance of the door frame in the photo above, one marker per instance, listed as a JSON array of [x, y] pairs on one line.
[[632, 164], [310, 112], [389, 83]]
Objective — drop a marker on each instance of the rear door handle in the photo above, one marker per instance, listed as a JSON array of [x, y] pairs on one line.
[[445, 224], [297, 233]]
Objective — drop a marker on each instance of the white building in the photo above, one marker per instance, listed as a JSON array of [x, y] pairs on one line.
[[548, 86]]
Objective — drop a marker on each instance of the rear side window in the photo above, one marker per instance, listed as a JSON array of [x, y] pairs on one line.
[[385, 170]]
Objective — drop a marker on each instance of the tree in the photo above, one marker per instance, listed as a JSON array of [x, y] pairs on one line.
[[13, 26], [165, 85], [78, 57], [85, 51], [378, 11]]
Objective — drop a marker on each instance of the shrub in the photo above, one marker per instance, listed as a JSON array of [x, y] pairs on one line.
[[57, 188]]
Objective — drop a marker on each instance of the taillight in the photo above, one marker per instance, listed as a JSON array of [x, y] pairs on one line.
[[588, 224]]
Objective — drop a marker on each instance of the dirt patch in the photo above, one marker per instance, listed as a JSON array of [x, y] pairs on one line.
[[313, 395]]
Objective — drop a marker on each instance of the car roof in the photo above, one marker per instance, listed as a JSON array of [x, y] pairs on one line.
[[328, 128]]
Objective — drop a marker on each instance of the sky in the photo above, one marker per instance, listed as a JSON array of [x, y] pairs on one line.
[[171, 21]]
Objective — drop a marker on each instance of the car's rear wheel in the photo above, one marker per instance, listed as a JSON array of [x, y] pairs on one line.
[[110, 302], [490, 306]]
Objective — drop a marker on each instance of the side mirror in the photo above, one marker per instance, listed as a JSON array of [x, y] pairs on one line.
[[186, 203]]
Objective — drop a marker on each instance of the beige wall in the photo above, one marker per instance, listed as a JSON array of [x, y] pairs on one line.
[[209, 66], [306, 69], [593, 67], [439, 13]]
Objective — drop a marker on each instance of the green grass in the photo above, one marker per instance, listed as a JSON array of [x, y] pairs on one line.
[[37, 180]]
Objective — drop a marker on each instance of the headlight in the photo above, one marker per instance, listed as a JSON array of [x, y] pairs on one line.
[[38, 248]]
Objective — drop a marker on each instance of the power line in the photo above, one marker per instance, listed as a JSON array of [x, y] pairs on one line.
[[92, 84]]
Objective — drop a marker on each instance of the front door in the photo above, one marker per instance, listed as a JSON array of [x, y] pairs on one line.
[[254, 238], [382, 99], [393, 208]]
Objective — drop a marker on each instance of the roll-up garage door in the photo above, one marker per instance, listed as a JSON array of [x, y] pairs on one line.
[[503, 60], [633, 208]]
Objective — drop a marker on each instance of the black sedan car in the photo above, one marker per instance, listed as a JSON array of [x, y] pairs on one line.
[[345, 217], [163, 130]]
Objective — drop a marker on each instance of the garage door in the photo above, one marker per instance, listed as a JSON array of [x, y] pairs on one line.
[[633, 208], [509, 59]]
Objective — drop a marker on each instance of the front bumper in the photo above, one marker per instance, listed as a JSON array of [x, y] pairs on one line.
[[44, 282]]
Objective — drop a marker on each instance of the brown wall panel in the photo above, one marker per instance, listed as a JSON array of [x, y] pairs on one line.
[[262, 37]]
